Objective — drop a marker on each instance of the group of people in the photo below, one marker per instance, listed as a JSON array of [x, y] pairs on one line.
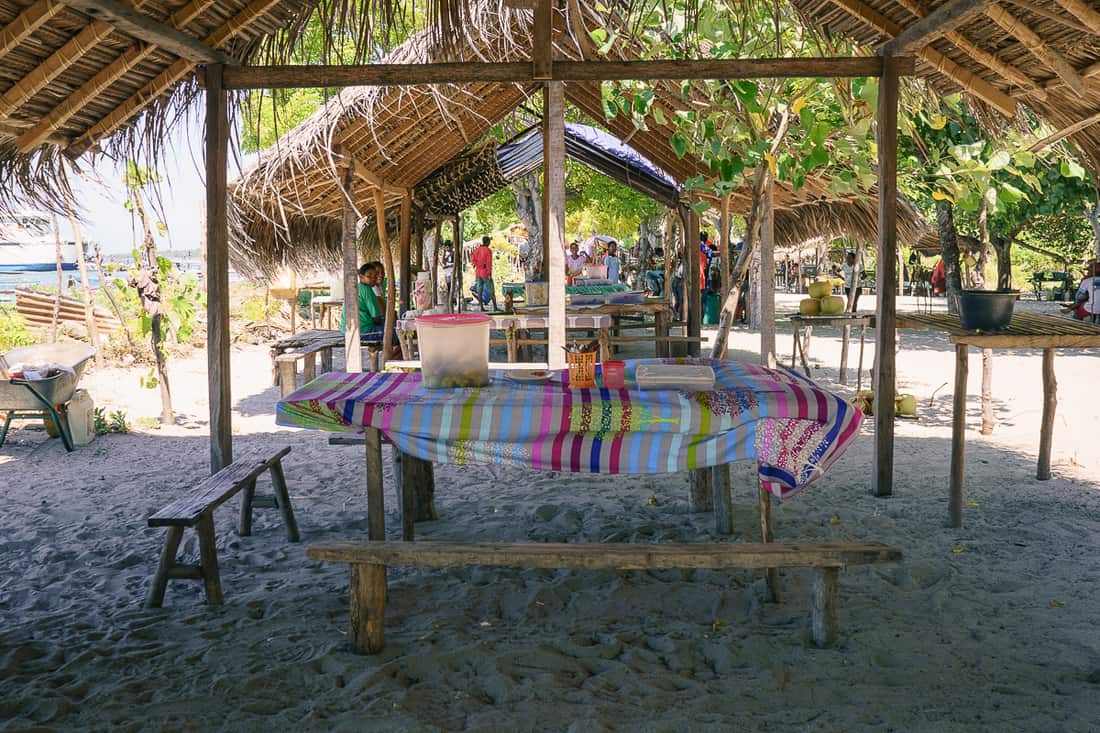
[[576, 261], [371, 302], [710, 275]]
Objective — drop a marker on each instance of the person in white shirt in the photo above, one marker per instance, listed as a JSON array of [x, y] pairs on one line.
[[575, 261], [1086, 304], [851, 278], [612, 261]]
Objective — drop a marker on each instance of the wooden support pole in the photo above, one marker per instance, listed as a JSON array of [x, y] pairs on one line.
[[887, 276], [725, 244], [1050, 403], [702, 494], [368, 608], [435, 261], [405, 239], [693, 296], [823, 597], [767, 278], [958, 435], [723, 499], [376, 505], [460, 264], [353, 353], [217, 272], [767, 534], [387, 263], [553, 229], [542, 41], [989, 421]]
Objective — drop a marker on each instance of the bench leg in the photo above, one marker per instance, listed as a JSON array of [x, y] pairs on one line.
[[208, 560], [309, 368], [723, 501], [282, 499], [767, 535], [288, 371], [155, 599], [823, 594], [326, 360], [702, 495], [376, 507], [248, 496], [368, 608]]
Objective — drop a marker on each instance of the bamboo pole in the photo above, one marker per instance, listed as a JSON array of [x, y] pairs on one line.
[[353, 350], [405, 239], [724, 243], [387, 263], [553, 230], [85, 286], [217, 274], [693, 295]]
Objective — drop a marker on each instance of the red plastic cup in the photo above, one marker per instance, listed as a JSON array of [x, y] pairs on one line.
[[614, 374]]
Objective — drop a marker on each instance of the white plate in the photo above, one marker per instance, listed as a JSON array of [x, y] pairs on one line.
[[530, 376]]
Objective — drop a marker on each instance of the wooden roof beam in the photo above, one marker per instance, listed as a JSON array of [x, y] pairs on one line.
[[968, 80], [943, 19], [1065, 132], [127, 20], [1031, 41], [164, 81], [89, 90], [26, 23], [986, 58], [1083, 12]]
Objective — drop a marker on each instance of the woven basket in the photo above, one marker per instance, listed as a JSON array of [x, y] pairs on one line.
[[582, 368]]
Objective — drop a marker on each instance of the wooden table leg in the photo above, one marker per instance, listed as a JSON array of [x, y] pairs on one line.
[[958, 436], [1050, 402], [368, 608], [988, 420], [823, 593], [804, 352], [376, 507], [723, 501], [767, 534], [845, 339], [702, 494], [794, 348], [859, 375], [660, 329]]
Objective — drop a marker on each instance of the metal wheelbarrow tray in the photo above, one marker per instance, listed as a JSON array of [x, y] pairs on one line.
[[20, 398]]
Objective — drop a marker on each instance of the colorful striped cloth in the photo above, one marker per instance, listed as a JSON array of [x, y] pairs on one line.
[[792, 427]]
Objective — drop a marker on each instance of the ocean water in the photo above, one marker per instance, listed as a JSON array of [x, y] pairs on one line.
[[9, 281]]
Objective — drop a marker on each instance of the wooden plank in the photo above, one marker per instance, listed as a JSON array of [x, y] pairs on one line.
[[137, 25], [1038, 48], [289, 77], [554, 217], [958, 437], [823, 603], [882, 477], [1050, 404], [943, 19], [596, 556], [216, 276], [212, 491], [368, 608], [350, 264]]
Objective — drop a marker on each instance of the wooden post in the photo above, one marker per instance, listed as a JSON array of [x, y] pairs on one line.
[[724, 243], [85, 286], [767, 534], [435, 262], [693, 296], [460, 262], [723, 501], [989, 421], [376, 507], [702, 493], [353, 352], [886, 309], [405, 239], [387, 263], [767, 278], [553, 230], [823, 594], [217, 272], [1050, 402], [368, 608], [958, 435]]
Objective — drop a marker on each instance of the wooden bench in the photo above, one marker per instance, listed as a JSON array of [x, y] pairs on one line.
[[197, 510], [368, 561]]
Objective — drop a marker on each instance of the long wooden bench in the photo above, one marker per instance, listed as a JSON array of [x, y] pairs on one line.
[[368, 561], [197, 510]]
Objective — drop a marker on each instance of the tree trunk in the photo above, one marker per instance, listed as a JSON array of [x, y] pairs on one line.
[[57, 297], [978, 277], [1003, 248], [949, 251], [529, 211], [152, 300]]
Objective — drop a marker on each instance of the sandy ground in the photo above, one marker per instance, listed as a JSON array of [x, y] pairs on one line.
[[990, 627]]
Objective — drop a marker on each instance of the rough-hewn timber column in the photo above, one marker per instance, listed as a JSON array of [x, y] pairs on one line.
[[405, 240], [767, 277], [693, 296], [553, 229], [886, 279], [217, 271], [353, 352]]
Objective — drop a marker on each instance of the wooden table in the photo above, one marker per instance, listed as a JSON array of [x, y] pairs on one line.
[[1025, 331], [801, 350], [658, 307]]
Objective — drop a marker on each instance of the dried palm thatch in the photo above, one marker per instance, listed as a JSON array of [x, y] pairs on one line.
[[854, 218], [1043, 54]]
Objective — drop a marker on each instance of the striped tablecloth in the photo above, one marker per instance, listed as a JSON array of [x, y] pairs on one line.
[[792, 427], [503, 323]]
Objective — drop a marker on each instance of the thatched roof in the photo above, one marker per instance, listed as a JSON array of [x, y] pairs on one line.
[[1044, 54], [426, 139]]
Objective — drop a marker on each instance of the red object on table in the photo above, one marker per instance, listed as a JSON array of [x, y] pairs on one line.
[[614, 374]]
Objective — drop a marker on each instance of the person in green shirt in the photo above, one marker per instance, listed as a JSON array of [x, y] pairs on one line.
[[371, 318]]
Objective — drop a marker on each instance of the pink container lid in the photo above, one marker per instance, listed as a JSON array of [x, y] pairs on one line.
[[454, 319]]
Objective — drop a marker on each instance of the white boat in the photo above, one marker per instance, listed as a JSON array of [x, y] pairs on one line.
[[27, 243]]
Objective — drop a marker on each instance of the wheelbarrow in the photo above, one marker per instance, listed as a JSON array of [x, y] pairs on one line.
[[30, 398]]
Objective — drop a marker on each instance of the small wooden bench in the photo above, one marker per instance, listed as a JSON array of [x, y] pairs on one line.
[[197, 510], [368, 561]]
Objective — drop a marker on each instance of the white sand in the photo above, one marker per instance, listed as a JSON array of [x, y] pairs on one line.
[[991, 627]]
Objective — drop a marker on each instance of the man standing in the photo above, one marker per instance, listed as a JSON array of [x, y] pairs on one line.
[[483, 271], [851, 278]]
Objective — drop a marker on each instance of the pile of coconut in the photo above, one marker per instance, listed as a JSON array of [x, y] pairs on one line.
[[821, 301]]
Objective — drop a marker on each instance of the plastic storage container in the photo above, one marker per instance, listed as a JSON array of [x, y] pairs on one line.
[[81, 414], [454, 349], [688, 377], [614, 374]]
